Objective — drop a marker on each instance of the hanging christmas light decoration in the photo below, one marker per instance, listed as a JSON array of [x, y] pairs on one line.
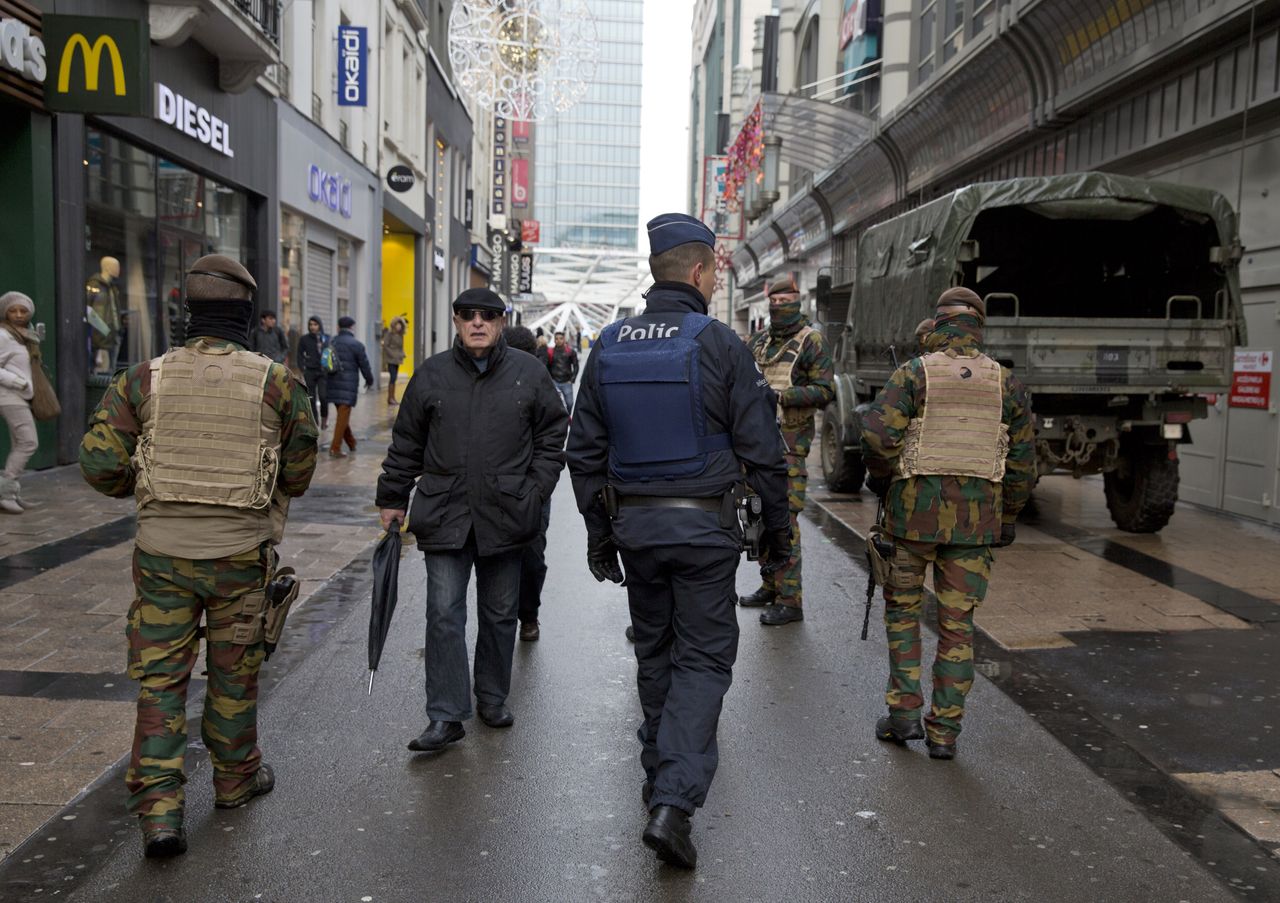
[[524, 59]]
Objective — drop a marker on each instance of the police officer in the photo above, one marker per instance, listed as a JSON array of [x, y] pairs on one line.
[[213, 440], [794, 359], [950, 446], [671, 408]]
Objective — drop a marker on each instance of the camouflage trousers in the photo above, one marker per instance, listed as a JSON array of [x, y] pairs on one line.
[[960, 575], [785, 581], [164, 642]]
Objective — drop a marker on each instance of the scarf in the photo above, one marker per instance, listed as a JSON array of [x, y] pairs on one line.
[[961, 331], [785, 318], [228, 320]]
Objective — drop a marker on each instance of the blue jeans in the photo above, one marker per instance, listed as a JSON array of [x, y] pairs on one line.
[[566, 395], [497, 591]]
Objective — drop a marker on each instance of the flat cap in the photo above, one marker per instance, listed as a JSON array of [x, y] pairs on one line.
[[346, 322], [480, 299], [672, 229], [220, 266], [961, 297]]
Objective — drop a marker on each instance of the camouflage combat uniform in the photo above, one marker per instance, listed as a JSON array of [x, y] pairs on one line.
[[812, 389], [225, 583], [951, 521]]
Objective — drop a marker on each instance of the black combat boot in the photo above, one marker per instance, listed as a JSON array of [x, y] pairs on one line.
[[667, 834], [760, 598], [264, 781], [941, 750], [778, 614], [890, 728], [163, 841]]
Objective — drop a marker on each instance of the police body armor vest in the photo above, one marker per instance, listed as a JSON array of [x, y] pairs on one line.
[[204, 439], [779, 370], [651, 388], [961, 431]]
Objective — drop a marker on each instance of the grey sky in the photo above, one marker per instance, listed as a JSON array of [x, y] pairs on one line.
[[664, 116]]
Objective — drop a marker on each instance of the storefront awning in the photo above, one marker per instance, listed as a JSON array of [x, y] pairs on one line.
[[816, 135]]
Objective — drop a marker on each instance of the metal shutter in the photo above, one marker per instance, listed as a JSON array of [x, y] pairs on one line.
[[318, 286]]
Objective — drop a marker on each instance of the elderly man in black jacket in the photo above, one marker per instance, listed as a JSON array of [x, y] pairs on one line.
[[482, 431]]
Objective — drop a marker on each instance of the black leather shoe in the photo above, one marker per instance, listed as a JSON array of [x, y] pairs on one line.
[[646, 794], [438, 735], [529, 631], [941, 750], [760, 598], [778, 614], [667, 834], [264, 781], [495, 715], [163, 842], [898, 731], [631, 634]]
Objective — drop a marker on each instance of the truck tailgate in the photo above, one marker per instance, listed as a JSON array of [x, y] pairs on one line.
[[1113, 355]]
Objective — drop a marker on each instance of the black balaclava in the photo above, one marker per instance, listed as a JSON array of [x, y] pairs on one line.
[[220, 319]]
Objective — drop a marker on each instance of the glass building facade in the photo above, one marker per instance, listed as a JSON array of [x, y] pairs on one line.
[[587, 161]]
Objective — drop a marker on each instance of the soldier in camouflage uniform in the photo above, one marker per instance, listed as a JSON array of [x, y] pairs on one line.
[[794, 358], [213, 441], [949, 444]]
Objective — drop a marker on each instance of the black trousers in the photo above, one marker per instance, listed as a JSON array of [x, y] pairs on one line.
[[533, 570], [682, 608], [315, 389]]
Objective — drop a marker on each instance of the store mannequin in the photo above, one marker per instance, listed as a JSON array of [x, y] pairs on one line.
[[102, 300]]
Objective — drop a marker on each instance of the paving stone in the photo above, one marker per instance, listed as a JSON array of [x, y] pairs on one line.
[[18, 821]]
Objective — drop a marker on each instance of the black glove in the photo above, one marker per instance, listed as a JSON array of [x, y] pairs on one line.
[[602, 558], [368, 386], [879, 486], [1007, 535], [775, 549]]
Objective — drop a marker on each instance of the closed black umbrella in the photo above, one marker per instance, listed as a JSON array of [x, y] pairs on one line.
[[386, 578]]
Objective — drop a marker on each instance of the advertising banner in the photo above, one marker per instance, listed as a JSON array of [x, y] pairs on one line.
[[715, 205], [520, 183], [530, 232], [353, 75]]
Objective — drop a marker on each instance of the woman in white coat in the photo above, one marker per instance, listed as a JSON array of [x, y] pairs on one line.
[[16, 390]]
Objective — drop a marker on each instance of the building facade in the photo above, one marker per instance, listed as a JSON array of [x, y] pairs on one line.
[[587, 160], [960, 91]]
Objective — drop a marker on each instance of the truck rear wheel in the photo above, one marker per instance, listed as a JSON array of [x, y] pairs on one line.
[[1143, 491], [843, 471]]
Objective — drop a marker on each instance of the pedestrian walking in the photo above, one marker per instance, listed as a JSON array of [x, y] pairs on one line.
[[393, 354], [672, 408], [481, 432], [212, 440], [950, 448], [342, 386], [793, 357], [533, 557], [562, 363], [310, 361], [269, 339], [19, 359]]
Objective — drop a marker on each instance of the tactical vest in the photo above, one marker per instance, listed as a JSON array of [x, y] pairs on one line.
[[960, 431], [779, 370], [204, 439], [651, 390]]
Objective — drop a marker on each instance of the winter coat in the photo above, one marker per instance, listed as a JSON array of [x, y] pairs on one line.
[[309, 348], [393, 344], [485, 448], [563, 364], [343, 387], [15, 370], [271, 342]]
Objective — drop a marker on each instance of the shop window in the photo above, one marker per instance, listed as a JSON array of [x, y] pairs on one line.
[[145, 225]]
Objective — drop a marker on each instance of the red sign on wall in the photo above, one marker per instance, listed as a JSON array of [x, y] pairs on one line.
[[1251, 382], [520, 183], [530, 231]]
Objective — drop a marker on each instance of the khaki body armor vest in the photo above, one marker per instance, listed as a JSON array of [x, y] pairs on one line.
[[204, 439], [960, 431], [779, 371]]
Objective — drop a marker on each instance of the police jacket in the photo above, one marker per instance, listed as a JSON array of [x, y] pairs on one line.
[[343, 386], [737, 403], [485, 447]]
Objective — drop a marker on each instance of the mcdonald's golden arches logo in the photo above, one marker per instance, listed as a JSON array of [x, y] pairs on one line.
[[102, 65]]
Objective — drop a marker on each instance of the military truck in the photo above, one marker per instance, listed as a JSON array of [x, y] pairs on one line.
[[1116, 300]]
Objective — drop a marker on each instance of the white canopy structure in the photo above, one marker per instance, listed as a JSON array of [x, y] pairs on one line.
[[583, 289]]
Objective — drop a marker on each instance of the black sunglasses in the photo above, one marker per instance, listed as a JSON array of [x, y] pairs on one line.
[[467, 314]]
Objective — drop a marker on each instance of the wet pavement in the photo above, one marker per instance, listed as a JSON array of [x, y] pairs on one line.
[[1102, 764]]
